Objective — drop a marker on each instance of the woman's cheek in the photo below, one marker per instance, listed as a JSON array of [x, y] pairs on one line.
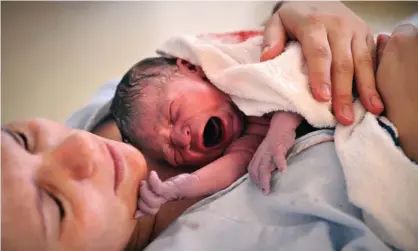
[[87, 218]]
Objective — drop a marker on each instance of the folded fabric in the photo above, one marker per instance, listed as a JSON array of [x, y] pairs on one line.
[[379, 178], [231, 62]]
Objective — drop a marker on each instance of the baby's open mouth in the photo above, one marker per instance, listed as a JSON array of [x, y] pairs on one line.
[[213, 132]]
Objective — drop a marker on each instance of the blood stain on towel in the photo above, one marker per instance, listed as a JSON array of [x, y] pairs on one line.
[[232, 37], [190, 224]]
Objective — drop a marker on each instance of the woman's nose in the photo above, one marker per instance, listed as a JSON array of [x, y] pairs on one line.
[[75, 154], [181, 137]]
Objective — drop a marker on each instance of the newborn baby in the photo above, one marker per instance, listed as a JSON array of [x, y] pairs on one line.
[[170, 111]]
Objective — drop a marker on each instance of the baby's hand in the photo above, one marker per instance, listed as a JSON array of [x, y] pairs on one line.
[[271, 154], [154, 192]]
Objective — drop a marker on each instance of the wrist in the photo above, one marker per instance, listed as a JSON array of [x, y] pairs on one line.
[[289, 119], [182, 184]]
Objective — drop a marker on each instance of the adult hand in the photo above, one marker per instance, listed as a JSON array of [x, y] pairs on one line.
[[397, 82], [336, 44]]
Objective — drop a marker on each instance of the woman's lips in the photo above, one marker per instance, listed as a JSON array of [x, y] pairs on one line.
[[118, 164]]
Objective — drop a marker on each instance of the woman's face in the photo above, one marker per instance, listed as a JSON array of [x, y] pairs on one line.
[[64, 189]]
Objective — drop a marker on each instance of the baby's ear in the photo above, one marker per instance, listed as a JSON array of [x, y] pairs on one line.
[[185, 66]]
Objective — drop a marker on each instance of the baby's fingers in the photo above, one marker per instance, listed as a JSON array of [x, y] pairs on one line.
[[265, 175], [138, 214], [167, 189], [280, 162], [253, 169], [149, 197], [146, 209], [156, 185]]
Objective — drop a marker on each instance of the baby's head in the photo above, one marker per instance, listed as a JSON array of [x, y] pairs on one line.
[[170, 111]]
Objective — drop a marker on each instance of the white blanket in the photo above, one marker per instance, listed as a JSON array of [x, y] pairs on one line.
[[380, 179]]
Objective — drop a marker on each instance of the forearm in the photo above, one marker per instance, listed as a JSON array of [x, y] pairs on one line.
[[218, 175]]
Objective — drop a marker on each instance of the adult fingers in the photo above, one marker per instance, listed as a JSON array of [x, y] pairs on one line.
[[364, 64], [274, 38], [402, 36], [404, 29], [316, 50], [382, 41], [342, 76]]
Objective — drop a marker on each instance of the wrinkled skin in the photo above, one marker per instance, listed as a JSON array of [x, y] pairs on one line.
[[176, 118], [263, 157], [271, 154]]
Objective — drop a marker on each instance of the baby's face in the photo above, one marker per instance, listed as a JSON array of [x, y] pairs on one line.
[[193, 122]]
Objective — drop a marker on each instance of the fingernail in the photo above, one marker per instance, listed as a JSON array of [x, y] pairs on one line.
[[346, 112], [265, 49], [375, 101], [265, 191], [325, 91], [138, 214]]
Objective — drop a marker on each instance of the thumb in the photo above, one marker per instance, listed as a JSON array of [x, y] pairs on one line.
[[274, 38]]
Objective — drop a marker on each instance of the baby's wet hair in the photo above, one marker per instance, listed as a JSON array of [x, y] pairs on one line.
[[150, 72]]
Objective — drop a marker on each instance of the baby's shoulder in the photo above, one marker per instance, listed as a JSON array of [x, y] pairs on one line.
[[257, 125], [246, 143], [256, 129]]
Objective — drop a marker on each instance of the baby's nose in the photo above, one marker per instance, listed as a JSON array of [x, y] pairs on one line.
[[182, 137]]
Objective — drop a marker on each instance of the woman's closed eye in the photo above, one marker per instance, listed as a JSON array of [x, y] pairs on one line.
[[19, 137], [59, 205], [24, 140]]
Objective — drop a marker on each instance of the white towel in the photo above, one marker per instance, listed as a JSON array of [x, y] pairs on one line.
[[380, 179]]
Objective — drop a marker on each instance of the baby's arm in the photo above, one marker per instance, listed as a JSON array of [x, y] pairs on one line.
[[207, 180], [220, 173], [271, 154]]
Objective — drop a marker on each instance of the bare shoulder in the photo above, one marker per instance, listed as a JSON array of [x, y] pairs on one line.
[[257, 125], [248, 143]]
